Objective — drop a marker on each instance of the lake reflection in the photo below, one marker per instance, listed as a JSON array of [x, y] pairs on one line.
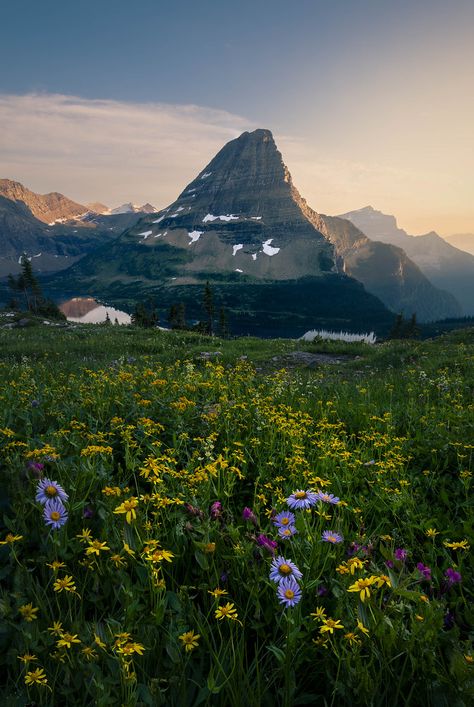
[[87, 310]]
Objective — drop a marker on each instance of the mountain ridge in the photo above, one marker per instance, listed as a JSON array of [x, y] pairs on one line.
[[447, 267]]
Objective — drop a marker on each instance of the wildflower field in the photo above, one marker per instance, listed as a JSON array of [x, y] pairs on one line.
[[182, 525]]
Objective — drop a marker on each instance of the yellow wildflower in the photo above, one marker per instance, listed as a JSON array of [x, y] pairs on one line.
[[36, 677], [128, 509], [56, 629], [343, 568], [67, 640], [85, 535], [65, 583], [130, 648], [96, 547], [362, 586], [111, 491], [118, 560], [99, 642], [330, 625], [362, 628], [10, 539], [431, 532], [190, 640], [380, 580], [27, 658], [89, 652], [227, 611], [469, 658], [461, 545], [352, 638], [217, 592], [355, 563], [209, 548], [55, 565], [28, 611], [319, 614]]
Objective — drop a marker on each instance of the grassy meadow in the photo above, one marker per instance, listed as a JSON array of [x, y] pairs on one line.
[[190, 521]]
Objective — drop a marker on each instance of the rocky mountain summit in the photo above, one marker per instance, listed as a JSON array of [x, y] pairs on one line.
[[444, 265], [48, 208]]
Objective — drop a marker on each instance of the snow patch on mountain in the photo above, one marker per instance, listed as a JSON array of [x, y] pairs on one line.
[[237, 247], [194, 236], [268, 249], [227, 217]]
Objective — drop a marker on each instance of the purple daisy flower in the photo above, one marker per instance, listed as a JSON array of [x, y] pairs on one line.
[[301, 499], [327, 498], [329, 536], [283, 519], [54, 514], [400, 554], [48, 490], [287, 531], [289, 592], [281, 568]]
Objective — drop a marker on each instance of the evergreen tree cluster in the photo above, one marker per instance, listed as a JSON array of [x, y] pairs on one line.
[[27, 291], [146, 315], [405, 329]]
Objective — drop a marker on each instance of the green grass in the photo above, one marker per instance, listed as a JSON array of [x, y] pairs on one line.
[[114, 413]]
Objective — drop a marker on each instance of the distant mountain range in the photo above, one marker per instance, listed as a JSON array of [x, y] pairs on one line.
[[52, 229], [274, 262], [444, 265]]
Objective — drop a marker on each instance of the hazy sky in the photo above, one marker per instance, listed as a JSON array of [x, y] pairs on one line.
[[370, 101]]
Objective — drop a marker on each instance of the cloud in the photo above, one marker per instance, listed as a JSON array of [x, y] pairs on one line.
[[107, 150]]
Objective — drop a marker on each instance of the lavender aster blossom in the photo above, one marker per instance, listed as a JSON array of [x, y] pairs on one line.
[[281, 568], [283, 519], [289, 592], [327, 498], [301, 500], [400, 554], [329, 536], [55, 514], [287, 531], [48, 490]]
